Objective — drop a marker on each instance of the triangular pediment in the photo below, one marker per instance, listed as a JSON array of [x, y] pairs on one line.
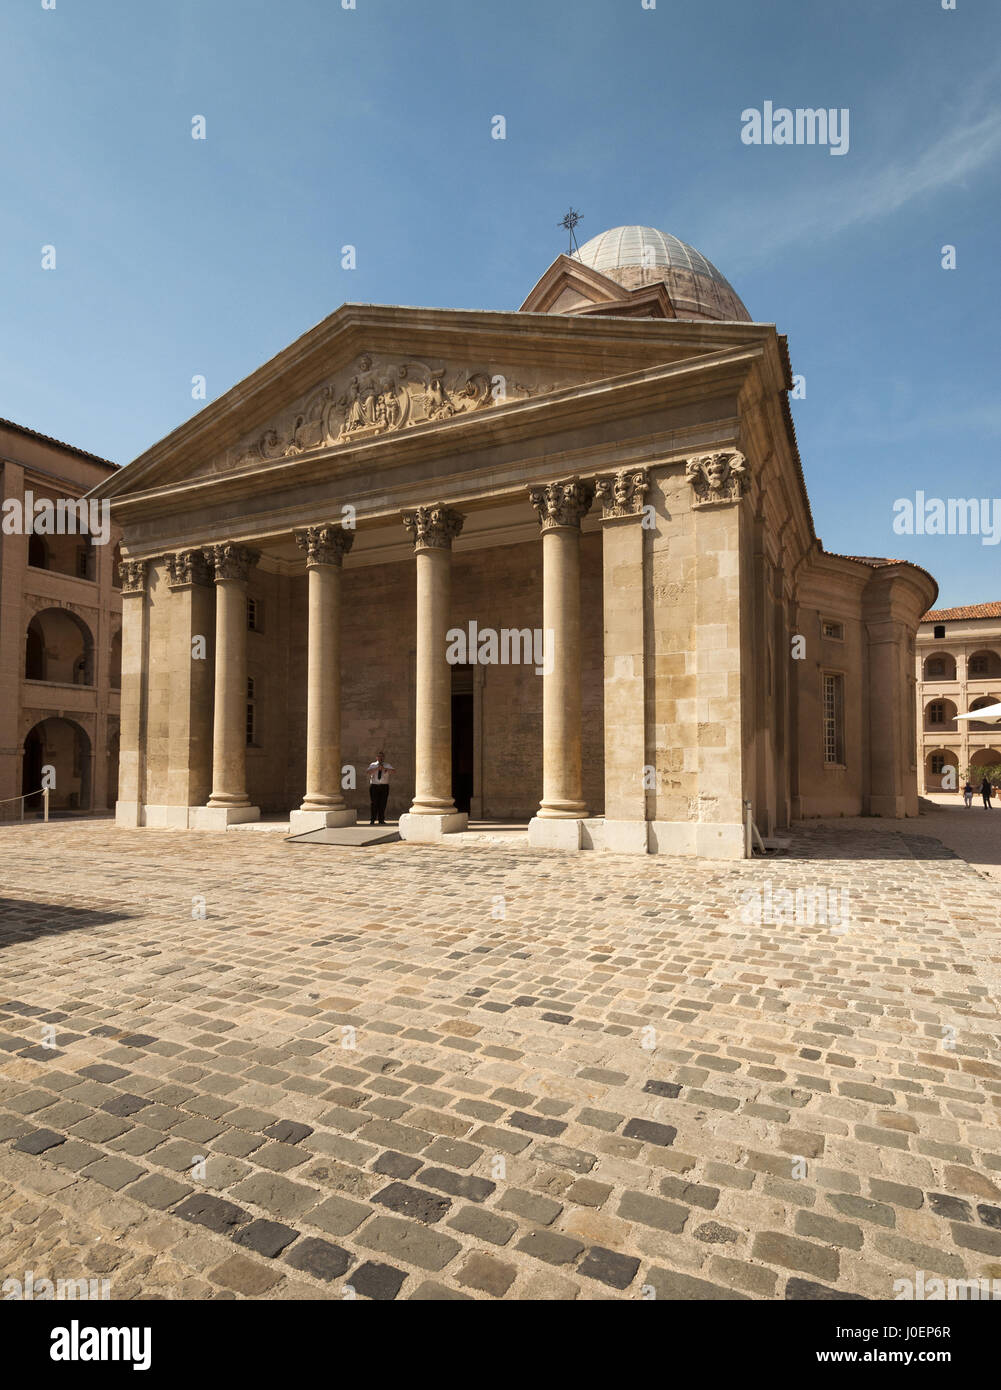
[[567, 286], [372, 374]]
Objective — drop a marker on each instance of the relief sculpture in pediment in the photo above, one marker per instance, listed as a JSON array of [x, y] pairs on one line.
[[375, 398]]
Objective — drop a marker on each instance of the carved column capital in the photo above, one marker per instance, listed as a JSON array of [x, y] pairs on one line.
[[324, 545], [231, 561], [133, 576], [622, 493], [718, 477], [563, 503], [434, 527], [188, 568]]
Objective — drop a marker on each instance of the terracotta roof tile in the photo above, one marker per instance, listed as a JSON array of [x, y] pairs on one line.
[[47, 439], [971, 610]]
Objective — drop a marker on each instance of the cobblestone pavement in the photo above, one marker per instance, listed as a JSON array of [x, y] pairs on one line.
[[490, 1072]]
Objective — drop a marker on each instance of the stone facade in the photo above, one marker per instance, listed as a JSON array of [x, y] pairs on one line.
[[575, 582], [60, 635], [957, 669]]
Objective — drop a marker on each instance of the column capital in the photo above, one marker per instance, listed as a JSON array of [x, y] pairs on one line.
[[133, 576], [231, 561], [324, 545], [562, 504], [622, 493], [188, 568], [434, 527], [717, 477]]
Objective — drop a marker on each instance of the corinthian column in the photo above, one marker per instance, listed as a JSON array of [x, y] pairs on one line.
[[132, 756], [433, 812], [560, 507], [229, 802], [323, 804]]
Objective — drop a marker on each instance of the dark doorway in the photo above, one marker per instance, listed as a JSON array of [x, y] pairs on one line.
[[31, 770], [462, 737]]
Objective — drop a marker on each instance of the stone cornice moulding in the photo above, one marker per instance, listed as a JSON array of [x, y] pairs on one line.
[[353, 328], [673, 385]]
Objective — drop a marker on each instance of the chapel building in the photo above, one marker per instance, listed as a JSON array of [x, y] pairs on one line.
[[559, 564]]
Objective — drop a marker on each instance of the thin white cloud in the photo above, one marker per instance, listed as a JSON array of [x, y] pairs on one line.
[[810, 214]]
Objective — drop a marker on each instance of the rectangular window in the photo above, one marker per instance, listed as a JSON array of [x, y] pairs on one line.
[[936, 712], [255, 615], [978, 666], [937, 764], [834, 718], [251, 713], [834, 632]]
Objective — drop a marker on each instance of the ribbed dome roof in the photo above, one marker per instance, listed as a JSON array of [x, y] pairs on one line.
[[634, 256]]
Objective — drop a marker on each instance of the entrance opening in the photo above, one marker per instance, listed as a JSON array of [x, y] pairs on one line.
[[462, 737]]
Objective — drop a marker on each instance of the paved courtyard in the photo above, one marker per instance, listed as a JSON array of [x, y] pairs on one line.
[[481, 1071]]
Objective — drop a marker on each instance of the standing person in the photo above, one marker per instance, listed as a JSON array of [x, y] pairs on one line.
[[968, 794], [378, 788], [986, 791]]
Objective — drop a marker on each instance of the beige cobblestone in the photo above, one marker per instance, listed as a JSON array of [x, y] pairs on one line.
[[866, 1057]]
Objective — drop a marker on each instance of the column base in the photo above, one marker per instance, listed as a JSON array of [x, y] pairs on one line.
[[129, 814], [220, 817], [616, 836], [167, 817], [428, 830], [703, 839], [300, 822], [558, 833]]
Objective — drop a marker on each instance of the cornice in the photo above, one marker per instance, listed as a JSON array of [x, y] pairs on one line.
[[553, 341], [572, 408]]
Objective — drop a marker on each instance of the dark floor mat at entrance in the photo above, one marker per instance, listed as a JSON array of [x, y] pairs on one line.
[[353, 836]]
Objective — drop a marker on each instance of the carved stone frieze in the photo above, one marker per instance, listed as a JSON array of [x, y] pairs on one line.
[[562, 503], [434, 527], [377, 395], [622, 493], [231, 561], [324, 545], [718, 477]]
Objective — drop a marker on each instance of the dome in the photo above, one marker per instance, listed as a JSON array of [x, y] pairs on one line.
[[636, 256]]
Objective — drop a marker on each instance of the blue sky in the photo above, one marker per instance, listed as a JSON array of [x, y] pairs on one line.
[[371, 126]]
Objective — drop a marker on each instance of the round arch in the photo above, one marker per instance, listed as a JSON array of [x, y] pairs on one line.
[[58, 750], [59, 647], [983, 665], [939, 666]]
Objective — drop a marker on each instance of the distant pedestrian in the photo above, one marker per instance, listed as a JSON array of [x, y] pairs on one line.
[[378, 788], [986, 791], [968, 793]]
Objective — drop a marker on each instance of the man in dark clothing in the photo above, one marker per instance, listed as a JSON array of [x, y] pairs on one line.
[[986, 792], [378, 788]]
